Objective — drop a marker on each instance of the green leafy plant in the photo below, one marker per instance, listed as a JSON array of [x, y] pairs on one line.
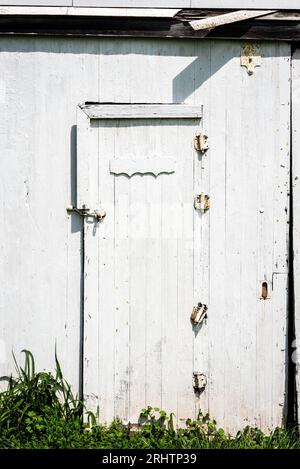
[[31, 397], [39, 410]]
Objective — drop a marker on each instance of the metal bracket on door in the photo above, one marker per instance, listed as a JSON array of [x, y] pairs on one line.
[[202, 202], [199, 313], [199, 382], [201, 142], [98, 214]]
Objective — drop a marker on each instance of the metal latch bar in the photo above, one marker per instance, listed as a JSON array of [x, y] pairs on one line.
[[98, 214]]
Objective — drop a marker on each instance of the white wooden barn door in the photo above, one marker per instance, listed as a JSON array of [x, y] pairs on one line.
[[154, 257], [139, 260]]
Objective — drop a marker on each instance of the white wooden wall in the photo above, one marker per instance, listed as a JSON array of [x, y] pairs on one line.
[[41, 83], [42, 80]]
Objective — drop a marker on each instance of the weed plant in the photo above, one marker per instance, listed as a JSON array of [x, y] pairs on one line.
[[39, 410]]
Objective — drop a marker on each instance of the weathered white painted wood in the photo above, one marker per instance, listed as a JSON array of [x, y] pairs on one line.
[[246, 289], [81, 11], [140, 111], [133, 3], [281, 260], [152, 165], [243, 337], [296, 213], [37, 2], [227, 18], [238, 322], [284, 4], [127, 283], [84, 148], [257, 4], [98, 11], [40, 242], [202, 53], [278, 4], [217, 235], [244, 251]]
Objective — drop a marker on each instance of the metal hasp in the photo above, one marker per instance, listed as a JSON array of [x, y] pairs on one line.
[[199, 382], [201, 142], [199, 313], [98, 214], [250, 57], [202, 202]]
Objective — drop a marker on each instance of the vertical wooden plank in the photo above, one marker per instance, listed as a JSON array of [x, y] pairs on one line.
[[217, 295], [202, 96], [87, 166], [171, 224], [282, 233], [122, 187], [153, 319], [247, 215], [233, 193], [186, 262], [273, 181], [296, 212]]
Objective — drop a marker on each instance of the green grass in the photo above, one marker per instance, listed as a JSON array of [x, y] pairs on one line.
[[39, 410]]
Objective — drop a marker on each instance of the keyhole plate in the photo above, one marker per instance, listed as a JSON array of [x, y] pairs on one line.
[[265, 290]]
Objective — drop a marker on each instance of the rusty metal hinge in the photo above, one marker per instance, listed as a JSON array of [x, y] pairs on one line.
[[199, 382], [202, 202], [201, 142], [98, 214], [199, 313]]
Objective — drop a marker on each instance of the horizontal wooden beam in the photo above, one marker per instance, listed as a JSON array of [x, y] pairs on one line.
[[141, 111], [197, 13], [236, 4], [228, 18], [288, 4], [255, 29], [88, 11]]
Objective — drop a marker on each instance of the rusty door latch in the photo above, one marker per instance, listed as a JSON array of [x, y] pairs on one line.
[[98, 214], [202, 202], [199, 313]]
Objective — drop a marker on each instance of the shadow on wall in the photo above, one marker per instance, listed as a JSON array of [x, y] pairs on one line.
[[77, 226], [76, 221], [209, 57]]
